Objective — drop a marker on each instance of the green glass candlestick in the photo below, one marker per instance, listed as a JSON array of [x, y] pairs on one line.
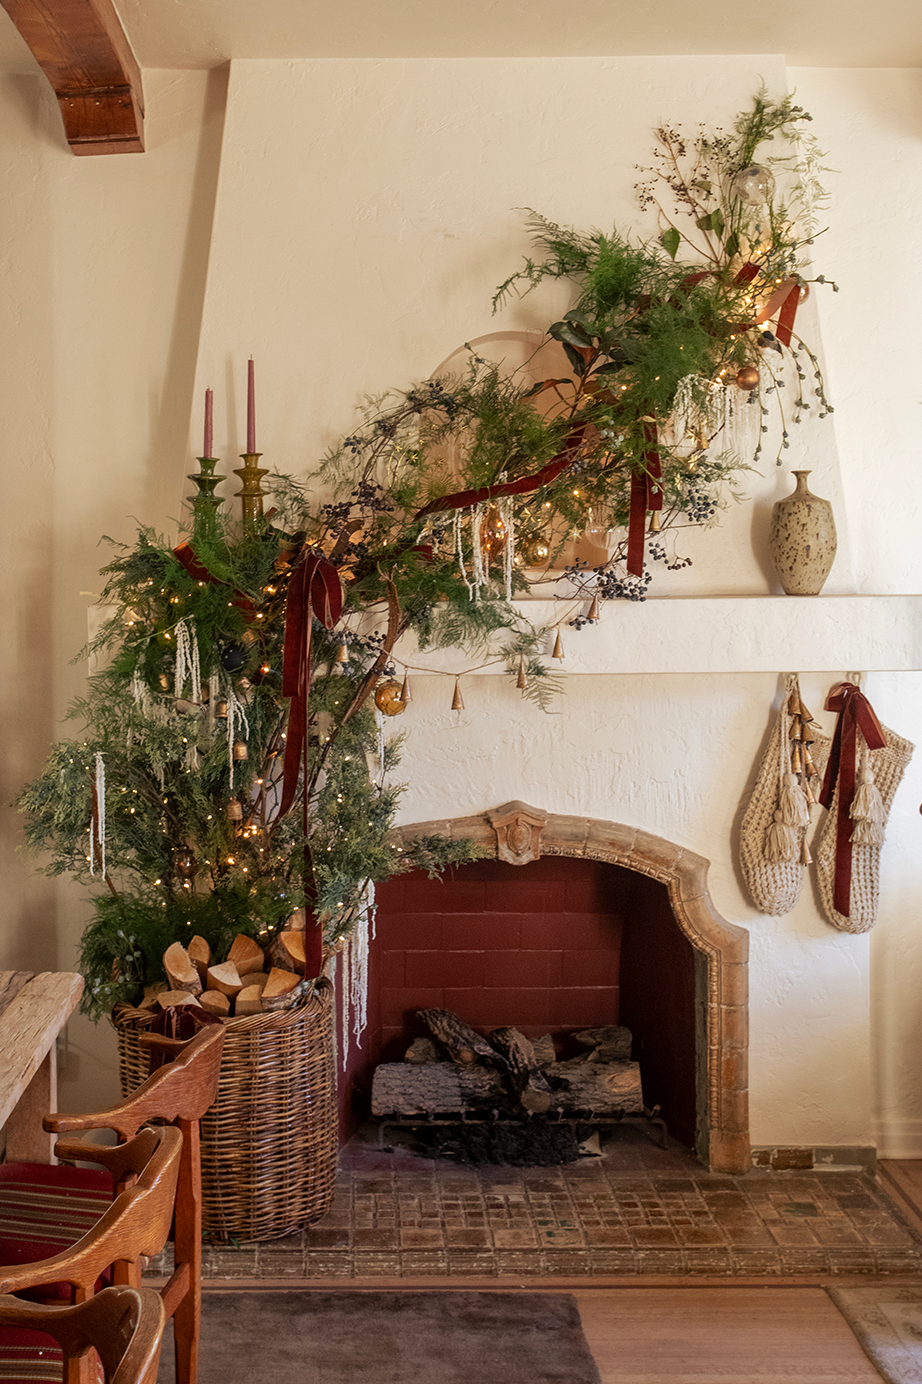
[[205, 503]]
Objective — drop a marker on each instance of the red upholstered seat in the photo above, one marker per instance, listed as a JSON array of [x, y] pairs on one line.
[[29, 1357], [135, 1224], [45, 1208]]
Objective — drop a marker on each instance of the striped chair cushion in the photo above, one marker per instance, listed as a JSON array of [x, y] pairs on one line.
[[29, 1356], [45, 1208]]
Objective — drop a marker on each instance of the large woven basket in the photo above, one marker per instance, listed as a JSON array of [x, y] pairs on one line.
[[269, 1142]]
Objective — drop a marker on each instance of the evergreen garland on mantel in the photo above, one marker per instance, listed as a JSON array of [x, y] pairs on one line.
[[449, 499]]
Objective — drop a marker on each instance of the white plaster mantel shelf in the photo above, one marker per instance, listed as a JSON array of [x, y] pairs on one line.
[[726, 634]]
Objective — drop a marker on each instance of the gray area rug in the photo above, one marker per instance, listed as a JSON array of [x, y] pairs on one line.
[[887, 1319], [349, 1337]]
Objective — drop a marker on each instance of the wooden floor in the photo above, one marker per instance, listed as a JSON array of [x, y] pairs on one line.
[[715, 1335], [720, 1332], [688, 1331], [901, 1179]]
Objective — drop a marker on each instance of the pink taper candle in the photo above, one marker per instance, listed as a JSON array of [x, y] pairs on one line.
[[209, 422], [251, 407]]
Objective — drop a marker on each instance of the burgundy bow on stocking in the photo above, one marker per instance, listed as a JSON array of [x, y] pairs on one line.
[[855, 714], [314, 592]]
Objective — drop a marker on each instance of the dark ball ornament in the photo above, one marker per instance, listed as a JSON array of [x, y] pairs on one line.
[[233, 657]]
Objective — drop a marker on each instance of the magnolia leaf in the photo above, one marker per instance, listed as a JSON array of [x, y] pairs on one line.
[[540, 387], [732, 246], [670, 241], [717, 221], [575, 358], [569, 332]]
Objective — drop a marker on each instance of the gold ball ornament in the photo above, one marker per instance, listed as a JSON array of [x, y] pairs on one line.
[[748, 377], [536, 551], [185, 865], [389, 698]]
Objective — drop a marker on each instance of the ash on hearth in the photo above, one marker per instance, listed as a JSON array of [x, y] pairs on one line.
[[536, 1143]]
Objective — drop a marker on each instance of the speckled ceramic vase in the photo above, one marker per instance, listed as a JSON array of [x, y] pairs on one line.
[[802, 539]]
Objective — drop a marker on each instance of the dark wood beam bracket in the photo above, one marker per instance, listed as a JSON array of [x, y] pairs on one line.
[[83, 50]]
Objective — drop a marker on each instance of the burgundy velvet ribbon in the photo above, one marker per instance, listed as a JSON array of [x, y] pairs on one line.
[[314, 592], [465, 499], [646, 493], [185, 555], [785, 303], [855, 714]]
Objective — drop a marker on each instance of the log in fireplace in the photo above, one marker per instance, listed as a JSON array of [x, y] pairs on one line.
[[572, 923]]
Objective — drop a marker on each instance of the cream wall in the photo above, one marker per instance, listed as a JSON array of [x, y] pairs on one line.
[[103, 266], [871, 122], [365, 211]]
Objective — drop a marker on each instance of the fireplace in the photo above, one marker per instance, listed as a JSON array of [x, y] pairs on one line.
[[571, 922]]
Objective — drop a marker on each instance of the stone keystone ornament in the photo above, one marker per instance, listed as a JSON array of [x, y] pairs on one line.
[[518, 830]]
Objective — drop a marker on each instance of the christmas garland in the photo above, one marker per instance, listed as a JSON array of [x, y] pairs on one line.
[[233, 766]]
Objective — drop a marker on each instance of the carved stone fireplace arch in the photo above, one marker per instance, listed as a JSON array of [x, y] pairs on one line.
[[517, 833]]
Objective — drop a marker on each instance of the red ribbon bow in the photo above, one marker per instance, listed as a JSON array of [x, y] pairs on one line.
[[314, 592], [855, 713]]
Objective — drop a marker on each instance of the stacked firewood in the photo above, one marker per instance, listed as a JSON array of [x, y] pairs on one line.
[[252, 980]]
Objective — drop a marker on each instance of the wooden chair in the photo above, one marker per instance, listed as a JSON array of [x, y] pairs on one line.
[[136, 1224], [123, 1325], [35, 1197]]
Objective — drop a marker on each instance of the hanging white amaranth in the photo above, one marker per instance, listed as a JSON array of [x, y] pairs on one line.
[[98, 820], [478, 572], [459, 550], [507, 514], [140, 692], [345, 986], [722, 412], [362, 933], [380, 747], [237, 723], [187, 661]]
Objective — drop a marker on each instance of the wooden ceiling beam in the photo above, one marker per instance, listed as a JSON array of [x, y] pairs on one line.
[[82, 49]]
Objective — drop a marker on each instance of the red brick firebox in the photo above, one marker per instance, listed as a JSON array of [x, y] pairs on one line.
[[567, 923]]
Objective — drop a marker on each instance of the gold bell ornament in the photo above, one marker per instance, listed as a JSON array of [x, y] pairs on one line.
[[342, 654], [240, 750], [234, 811], [594, 610], [405, 694], [521, 681], [457, 701], [558, 646]]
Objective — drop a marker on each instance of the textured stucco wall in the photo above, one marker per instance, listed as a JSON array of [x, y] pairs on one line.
[[102, 264]]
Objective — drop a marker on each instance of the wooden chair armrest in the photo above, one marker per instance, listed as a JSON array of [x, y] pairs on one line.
[[161, 1041], [136, 1223]]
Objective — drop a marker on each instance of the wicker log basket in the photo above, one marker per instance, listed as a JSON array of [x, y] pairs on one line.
[[269, 1142]]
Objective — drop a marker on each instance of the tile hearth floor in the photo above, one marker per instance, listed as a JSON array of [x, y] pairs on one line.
[[637, 1210]]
